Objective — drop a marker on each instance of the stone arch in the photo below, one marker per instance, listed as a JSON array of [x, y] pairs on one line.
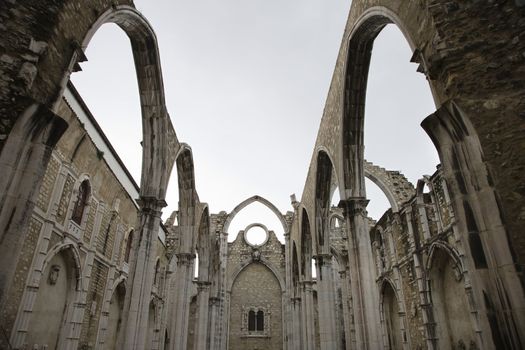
[[451, 252], [392, 314], [263, 261], [75, 255], [335, 216], [295, 269], [203, 246], [358, 53], [114, 309], [69, 296], [448, 296], [159, 139], [397, 189], [249, 201], [323, 188], [306, 246], [188, 198]]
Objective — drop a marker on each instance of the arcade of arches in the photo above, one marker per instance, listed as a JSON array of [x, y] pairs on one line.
[[86, 263]]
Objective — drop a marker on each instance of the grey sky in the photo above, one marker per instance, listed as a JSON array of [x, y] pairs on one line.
[[246, 83]]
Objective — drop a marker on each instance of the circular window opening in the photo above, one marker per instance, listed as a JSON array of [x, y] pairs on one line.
[[256, 235]]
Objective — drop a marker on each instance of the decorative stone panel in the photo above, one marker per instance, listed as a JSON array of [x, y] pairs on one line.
[[90, 224], [63, 204], [48, 183], [9, 311]]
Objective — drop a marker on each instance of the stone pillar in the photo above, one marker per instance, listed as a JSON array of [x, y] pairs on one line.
[[326, 302], [362, 275], [140, 278], [203, 298], [23, 161], [296, 324], [288, 336], [181, 310], [214, 310], [347, 316], [308, 316]]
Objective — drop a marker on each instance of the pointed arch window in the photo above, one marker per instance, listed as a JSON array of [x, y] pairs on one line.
[[259, 321], [157, 274], [251, 321], [81, 202], [128, 247], [256, 321]]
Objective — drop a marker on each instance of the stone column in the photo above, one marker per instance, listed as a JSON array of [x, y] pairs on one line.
[[23, 161], [326, 302], [181, 310], [308, 316], [362, 275], [288, 335], [347, 316], [296, 324], [203, 298], [140, 278], [214, 310]]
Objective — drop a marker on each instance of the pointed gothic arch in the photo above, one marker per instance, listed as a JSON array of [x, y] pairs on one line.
[[249, 201]]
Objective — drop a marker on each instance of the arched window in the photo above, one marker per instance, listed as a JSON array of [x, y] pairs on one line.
[[157, 275], [81, 202], [128, 247], [256, 321], [260, 320], [251, 321]]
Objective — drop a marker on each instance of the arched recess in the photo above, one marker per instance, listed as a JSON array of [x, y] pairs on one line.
[[114, 322], [53, 296], [449, 299], [188, 198], [295, 269], [263, 261], [204, 245], [306, 247], [391, 309], [479, 216], [249, 201], [323, 191], [360, 43]]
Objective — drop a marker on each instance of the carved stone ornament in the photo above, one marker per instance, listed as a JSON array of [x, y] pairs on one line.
[[256, 255], [53, 275], [413, 310]]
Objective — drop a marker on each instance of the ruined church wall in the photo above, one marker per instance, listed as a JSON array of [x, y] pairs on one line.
[[254, 285], [99, 240]]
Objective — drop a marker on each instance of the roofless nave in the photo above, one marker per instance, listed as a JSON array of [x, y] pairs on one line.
[[85, 264]]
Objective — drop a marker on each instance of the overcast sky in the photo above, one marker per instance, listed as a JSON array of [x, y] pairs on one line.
[[246, 82]]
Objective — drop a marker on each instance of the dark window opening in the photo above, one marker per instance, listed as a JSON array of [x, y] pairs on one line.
[[251, 320], [157, 275], [81, 202], [128, 247], [256, 321], [260, 321]]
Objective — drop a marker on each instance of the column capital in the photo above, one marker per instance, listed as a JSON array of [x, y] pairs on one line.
[[151, 205], [203, 285], [214, 301], [184, 258], [354, 206], [323, 259], [322, 256]]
